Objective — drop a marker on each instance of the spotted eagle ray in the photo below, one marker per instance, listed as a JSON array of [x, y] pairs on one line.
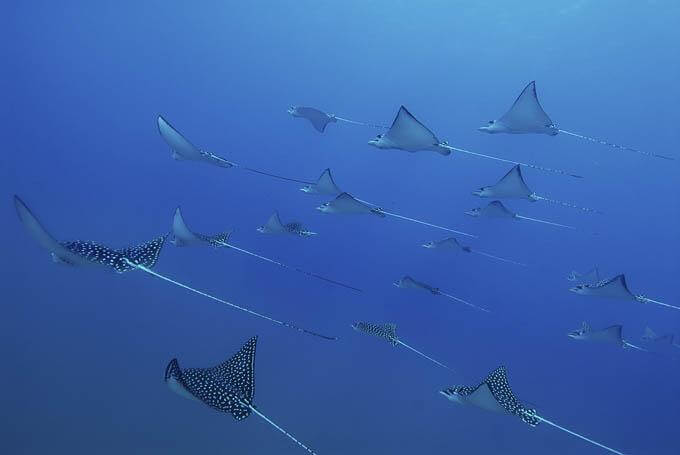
[[496, 209], [513, 186], [409, 134], [388, 332], [451, 243], [228, 387], [578, 276], [526, 116], [183, 236], [406, 282], [143, 257], [494, 394], [611, 334], [275, 226], [346, 203], [182, 149], [88, 253], [651, 336], [320, 119], [324, 185], [615, 288]]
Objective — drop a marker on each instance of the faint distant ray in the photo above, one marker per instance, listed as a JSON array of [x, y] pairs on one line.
[[324, 185], [183, 149], [610, 335], [650, 336], [451, 243], [142, 258], [345, 203], [320, 119], [513, 186], [88, 253], [183, 236], [494, 394], [411, 135], [388, 332], [496, 209], [526, 116], [585, 276], [615, 288], [228, 387], [407, 282], [275, 226]]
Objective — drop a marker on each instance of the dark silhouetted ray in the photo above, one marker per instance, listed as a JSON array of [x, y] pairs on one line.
[[408, 134], [527, 116], [407, 282], [615, 288], [229, 387], [324, 185], [183, 236], [346, 203], [585, 276], [182, 149], [611, 335], [388, 332], [452, 244], [320, 119], [275, 226], [494, 394], [513, 186], [496, 209]]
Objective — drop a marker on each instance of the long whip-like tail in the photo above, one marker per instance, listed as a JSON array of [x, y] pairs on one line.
[[425, 356], [532, 166], [285, 266], [551, 223], [217, 299], [616, 146], [290, 436], [631, 345], [564, 204], [573, 433], [464, 301], [354, 122], [498, 258], [643, 299]]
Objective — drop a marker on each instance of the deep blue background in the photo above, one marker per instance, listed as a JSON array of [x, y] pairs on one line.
[[84, 351]]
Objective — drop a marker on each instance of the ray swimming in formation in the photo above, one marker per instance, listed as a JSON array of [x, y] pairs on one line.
[[494, 394], [348, 204], [496, 209], [183, 236], [513, 186], [526, 116], [406, 282], [182, 149], [615, 288], [388, 332], [651, 337], [320, 119], [611, 335], [452, 244], [228, 387], [142, 258], [275, 226], [324, 185], [409, 134], [88, 253], [585, 276]]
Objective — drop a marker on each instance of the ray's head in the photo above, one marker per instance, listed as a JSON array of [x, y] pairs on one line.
[[474, 212], [579, 289], [325, 207], [492, 127], [379, 142], [485, 191], [293, 111], [307, 189], [429, 244]]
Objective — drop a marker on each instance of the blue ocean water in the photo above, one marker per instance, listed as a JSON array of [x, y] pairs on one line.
[[84, 351]]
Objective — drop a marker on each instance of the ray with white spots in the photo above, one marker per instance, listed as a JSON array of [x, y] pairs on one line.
[[494, 394], [610, 335], [496, 210], [183, 236], [275, 226], [345, 203], [407, 282], [526, 116], [615, 288], [320, 119], [452, 244], [388, 332], [513, 186], [183, 150], [228, 387]]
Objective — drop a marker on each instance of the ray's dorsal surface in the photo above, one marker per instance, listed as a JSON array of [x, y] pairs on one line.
[[317, 118], [275, 226], [494, 394], [324, 185], [611, 335], [228, 387], [452, 244], [407, 282], [616, 288], [496, 209], [650, 336], [408, 134]]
